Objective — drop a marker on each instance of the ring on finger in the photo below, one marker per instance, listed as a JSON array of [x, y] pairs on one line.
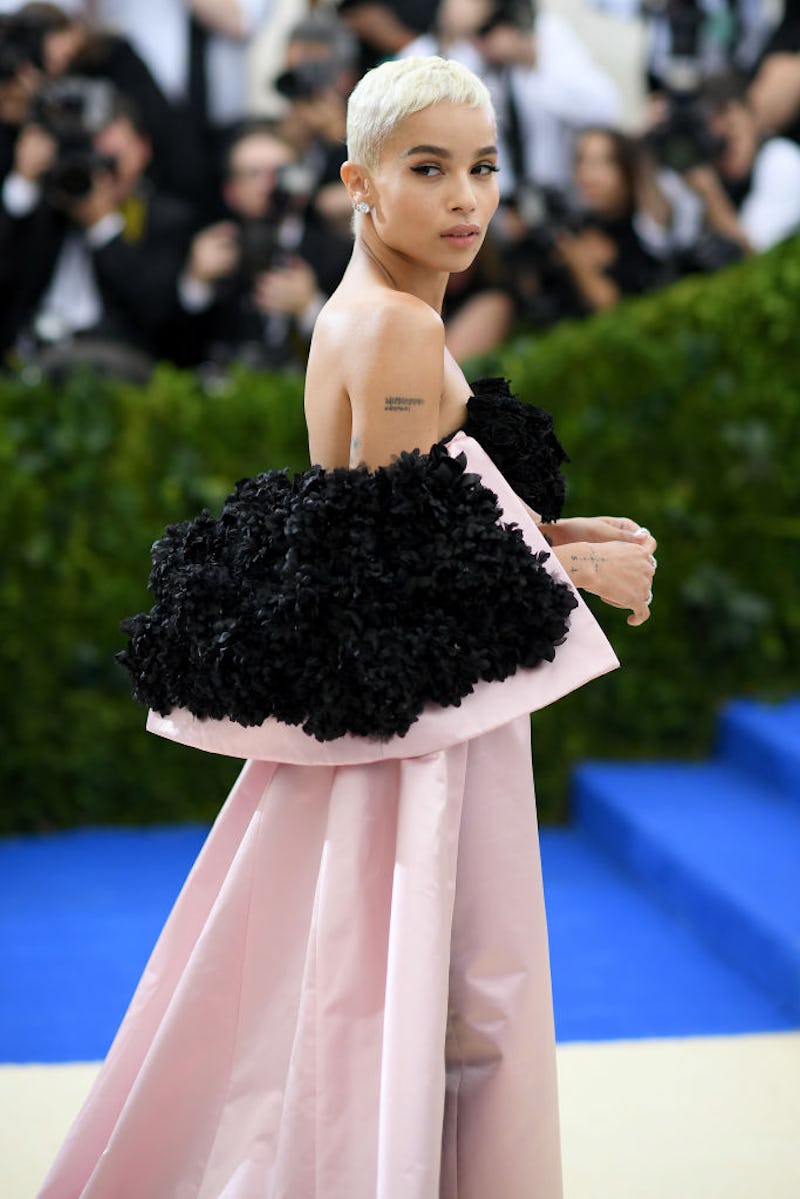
[[649, 599], [652, 560]]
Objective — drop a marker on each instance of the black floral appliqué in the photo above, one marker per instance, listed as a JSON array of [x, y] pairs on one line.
[[343, 600], [519, 439]]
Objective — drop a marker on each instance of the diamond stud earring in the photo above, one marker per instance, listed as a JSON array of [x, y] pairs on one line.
[[361, 206]]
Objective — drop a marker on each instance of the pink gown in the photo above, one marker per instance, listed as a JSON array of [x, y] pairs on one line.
[[351, 997]]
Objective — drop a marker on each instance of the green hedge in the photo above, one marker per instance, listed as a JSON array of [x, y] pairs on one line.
[[681, 410]]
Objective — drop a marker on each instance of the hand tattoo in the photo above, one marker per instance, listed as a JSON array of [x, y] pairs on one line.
[[592, 557]]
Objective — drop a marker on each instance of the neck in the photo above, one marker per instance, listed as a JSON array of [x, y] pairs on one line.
[[395, 269]]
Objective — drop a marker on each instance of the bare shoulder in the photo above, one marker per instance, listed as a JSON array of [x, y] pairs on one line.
[[399, 336], [399, 308], [378, 323]]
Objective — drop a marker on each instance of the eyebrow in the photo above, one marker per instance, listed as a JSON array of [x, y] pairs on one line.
[[440, 152]]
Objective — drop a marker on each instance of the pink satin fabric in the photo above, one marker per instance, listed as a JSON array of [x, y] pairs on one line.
[[351, 997]]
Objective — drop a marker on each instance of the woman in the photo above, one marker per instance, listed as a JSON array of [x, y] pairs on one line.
[[351, 997], [606, 258]]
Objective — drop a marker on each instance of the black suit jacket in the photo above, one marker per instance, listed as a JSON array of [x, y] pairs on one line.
[[232, 320], [136, 272]]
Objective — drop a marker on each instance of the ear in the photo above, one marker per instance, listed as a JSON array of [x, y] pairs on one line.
[[358, 182]]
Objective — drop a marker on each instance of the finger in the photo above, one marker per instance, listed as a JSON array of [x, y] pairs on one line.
[[629, 535], [646, 539], [622, 522], [606, 530], [639, 616]]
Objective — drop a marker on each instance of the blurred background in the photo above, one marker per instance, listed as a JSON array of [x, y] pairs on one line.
[[171, 223]]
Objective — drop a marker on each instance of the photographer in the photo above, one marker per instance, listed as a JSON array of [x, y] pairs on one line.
[[749, 187], [41, 42], [252, 286], [89, 249], [604, 255], [321, 69]]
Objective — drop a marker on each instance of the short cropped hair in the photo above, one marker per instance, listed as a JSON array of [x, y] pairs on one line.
[[394, 90]]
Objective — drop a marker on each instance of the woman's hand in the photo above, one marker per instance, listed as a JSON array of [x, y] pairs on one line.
[[619, 572], [599, 529]]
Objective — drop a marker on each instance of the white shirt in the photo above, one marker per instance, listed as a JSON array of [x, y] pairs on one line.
[[72, 301], [565, 90], [687, 213], [771, 209], [159, 31]]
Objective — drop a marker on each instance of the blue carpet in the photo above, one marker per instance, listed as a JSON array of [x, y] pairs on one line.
[[79, 915], [625, 967], [81, 911], [714, 845], [764, 741]]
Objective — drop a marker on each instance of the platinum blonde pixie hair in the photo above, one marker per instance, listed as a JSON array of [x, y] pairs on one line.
[[394, 90]]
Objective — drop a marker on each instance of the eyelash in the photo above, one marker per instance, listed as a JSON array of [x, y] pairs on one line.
[[430, 166]]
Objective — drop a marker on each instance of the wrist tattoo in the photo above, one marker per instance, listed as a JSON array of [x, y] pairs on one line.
[[592, 557], [401, 403]]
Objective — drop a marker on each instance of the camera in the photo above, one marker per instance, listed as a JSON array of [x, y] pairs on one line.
[[547, 212], [531, 265], [21, 43], [683, 140], [262, 243], [73, 110]]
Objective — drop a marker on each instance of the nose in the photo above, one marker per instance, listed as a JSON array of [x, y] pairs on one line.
[[462, 195]]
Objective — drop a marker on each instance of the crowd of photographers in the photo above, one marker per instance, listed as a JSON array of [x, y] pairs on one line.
[[150, 209]]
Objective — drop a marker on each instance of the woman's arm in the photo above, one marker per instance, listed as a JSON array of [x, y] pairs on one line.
[[395, 382]]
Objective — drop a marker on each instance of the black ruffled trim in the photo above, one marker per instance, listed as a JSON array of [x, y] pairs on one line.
[[343, 600], [519, 439]]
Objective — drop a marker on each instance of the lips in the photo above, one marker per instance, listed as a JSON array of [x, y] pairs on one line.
[[462, 233]]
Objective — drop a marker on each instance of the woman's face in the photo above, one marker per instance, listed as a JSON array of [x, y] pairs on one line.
[[437, 186], [598, 177]]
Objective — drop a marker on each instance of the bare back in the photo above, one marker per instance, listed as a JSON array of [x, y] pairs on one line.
[[379, 378]]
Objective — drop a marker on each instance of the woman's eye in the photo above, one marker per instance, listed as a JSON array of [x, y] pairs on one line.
[[485, 168], [427, 169]]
